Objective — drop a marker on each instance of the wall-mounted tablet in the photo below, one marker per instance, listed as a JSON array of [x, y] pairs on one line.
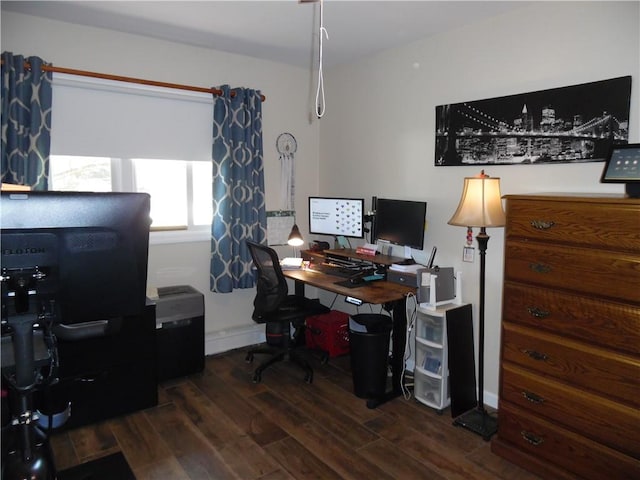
[[622, 165]]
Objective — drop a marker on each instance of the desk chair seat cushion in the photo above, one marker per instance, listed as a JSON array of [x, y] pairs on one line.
[[292, 309]]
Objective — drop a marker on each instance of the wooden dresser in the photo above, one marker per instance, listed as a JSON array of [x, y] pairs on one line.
[[569, 400]]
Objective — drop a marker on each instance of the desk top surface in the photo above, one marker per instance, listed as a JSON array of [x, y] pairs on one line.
[[376, 292]]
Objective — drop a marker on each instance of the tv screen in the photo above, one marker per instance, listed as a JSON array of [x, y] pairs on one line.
[[336, 216], [83, 255], [400, 222]]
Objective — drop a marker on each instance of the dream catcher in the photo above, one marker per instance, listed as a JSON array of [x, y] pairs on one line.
[[287, 146]]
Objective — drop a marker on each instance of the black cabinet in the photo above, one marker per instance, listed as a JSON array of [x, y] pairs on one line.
[[104, 377]]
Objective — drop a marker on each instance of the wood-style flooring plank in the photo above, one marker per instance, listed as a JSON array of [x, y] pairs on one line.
[[262, 429], [301, 463], [218, 424], [332, 450], [331, 412], [196, 456], [94, 441], [167, 468], [63, 451], [139, 440], [228, 439], [401, 465]]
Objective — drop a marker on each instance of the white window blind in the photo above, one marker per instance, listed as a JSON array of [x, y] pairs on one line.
[[105, 118]]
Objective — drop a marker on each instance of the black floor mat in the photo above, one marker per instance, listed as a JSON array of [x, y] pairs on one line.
[[111, 467]]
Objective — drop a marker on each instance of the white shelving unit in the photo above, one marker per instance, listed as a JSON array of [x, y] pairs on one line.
[[431, 374]]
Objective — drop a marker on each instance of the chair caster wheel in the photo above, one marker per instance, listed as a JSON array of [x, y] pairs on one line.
[[257, 378], [324, 359], [249, 358], [308, 378]]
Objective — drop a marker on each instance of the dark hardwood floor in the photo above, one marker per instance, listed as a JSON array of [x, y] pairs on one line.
[[220, 425]]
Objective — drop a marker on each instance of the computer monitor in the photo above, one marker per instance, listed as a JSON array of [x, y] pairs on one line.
[[400, 222], [82, 256], [336, 216]]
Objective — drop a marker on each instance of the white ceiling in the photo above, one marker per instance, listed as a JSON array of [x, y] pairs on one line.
[[283, 31]]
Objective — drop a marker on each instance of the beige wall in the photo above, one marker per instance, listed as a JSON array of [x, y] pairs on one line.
[[377, 136]]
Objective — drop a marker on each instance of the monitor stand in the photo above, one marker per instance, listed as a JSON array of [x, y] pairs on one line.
[[632, 190]]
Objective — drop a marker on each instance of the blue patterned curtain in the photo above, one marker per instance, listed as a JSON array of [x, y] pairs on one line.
[[26, 121], [238, 187]]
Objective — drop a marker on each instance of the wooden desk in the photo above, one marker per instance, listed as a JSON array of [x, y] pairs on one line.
[[393, 298], [378, 292]]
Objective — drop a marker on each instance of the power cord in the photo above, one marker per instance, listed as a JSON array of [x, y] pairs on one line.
[[320, 101], [412, 313], [335, 297]]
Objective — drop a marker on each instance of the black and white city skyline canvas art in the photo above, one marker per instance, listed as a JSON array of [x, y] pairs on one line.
[[578, 123]]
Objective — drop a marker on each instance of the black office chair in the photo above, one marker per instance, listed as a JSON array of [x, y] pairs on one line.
[[278, 310]]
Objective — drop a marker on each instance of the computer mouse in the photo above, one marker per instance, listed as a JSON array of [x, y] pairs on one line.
[[356, 280]]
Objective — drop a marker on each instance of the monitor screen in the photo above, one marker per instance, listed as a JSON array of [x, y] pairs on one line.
[[400, 222], [336, 216], [622, 165], [80, 255]]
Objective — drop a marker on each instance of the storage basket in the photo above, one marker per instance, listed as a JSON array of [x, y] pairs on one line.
[[328, 332]]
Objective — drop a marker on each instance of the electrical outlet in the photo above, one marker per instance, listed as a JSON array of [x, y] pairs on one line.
[[468, 254]]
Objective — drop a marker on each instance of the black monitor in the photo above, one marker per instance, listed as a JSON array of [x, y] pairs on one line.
[[622, 165], [336, 216], [82, 256], [401, 222]]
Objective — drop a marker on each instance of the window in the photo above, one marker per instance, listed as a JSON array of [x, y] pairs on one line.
[[180, 190], [108, 135]]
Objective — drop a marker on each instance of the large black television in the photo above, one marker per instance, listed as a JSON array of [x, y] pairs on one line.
[[74, 266], [400, 222], [82, 256], [336, 216]]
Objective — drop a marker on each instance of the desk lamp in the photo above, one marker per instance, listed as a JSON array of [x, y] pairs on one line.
[[480, 206], [295, 238]]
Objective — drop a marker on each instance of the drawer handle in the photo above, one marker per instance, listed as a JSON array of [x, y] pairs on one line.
[[531, 438], [536, 355], [538, 312], [542, 224], [532, 397], [540, 267]]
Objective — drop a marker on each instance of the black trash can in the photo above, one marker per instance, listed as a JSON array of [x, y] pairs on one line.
[[369, 335]]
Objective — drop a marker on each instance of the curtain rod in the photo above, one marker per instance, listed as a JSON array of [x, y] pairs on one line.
[[141, 81]]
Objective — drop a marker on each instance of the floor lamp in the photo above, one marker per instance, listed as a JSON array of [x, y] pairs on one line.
[[480, 206]]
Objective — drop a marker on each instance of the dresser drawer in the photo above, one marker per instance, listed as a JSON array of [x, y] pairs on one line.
[[609, 324], [614, 226], [613, 375], [596, 417], [565, 449], [581, 270]]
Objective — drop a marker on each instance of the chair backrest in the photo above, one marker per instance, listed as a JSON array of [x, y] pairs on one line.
[[271, 285]]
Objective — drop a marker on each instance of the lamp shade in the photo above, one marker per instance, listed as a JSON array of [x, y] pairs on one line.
[[295, 237], [480, 204]]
